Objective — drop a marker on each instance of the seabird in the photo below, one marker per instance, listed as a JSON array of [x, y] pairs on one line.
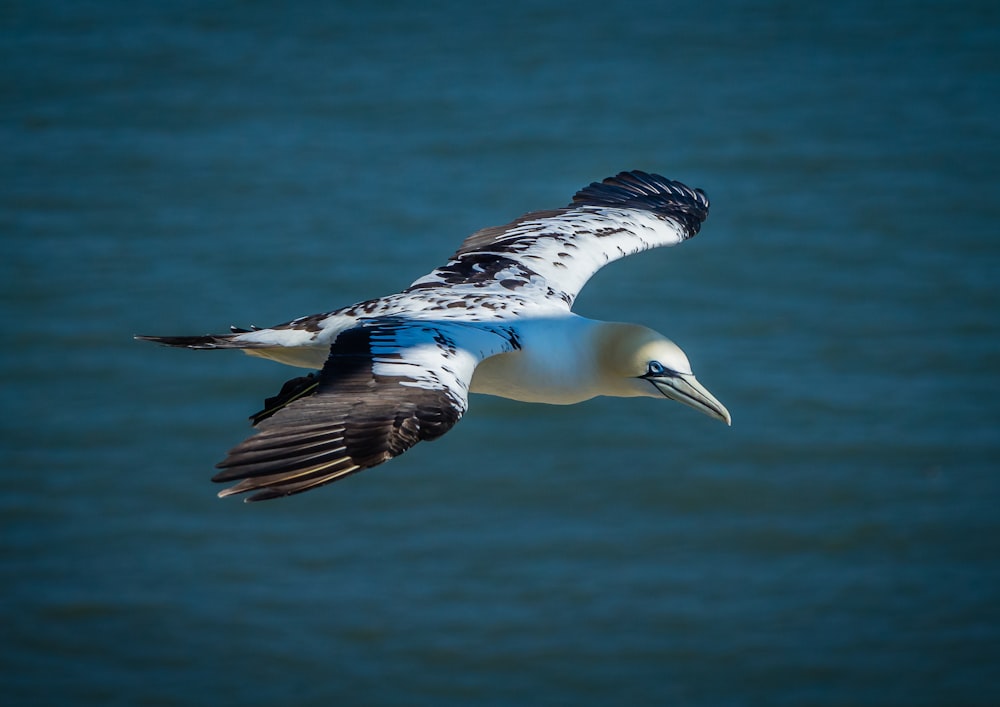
[[495, 319]]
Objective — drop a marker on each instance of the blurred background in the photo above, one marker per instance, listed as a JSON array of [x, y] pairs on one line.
[[174, 168]]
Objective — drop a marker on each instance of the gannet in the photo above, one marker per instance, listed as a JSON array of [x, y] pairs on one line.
[[495, 319]]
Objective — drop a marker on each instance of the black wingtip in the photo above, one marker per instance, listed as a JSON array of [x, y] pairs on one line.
[[636, 189]]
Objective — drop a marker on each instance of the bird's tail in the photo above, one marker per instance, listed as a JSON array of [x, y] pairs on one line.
[[208, 341]]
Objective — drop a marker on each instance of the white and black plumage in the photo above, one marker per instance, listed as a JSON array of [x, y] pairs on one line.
[[494, 319]]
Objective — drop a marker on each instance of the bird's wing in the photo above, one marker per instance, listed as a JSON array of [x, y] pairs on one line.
[[387, 385], [550, 255]]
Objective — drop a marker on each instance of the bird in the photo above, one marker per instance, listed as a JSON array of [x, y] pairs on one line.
[[495, 319]]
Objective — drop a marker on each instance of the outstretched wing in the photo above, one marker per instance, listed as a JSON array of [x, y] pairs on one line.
[[387, 385], [551, 254]]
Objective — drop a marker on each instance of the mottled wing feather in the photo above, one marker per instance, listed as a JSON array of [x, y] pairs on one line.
[[534, 265], [550, 255], [386, 386]]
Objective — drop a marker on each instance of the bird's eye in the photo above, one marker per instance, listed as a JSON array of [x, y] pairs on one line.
[[655, 368]]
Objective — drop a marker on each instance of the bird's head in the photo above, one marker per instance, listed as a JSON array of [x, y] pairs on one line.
[[636, 361]]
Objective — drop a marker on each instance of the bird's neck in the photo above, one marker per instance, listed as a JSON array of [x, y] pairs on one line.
[[561, 361]]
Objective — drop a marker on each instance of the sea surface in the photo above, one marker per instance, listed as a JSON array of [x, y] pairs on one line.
[[174, 168]]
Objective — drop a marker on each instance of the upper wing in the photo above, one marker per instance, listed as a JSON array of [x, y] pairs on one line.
[[552, 254], [387, 385]]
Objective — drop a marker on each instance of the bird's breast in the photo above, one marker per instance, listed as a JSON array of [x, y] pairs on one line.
[[511, 376], [554, 365]]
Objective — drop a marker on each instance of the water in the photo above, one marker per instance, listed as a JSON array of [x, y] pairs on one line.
[[174, 168]]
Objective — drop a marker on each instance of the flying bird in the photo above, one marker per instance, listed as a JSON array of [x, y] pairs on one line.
[[496, 319]]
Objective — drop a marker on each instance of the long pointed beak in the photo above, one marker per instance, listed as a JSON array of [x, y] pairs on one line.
[[685, 388]]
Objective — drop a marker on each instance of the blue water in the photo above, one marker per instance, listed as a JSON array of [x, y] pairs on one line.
[[179, 167]]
